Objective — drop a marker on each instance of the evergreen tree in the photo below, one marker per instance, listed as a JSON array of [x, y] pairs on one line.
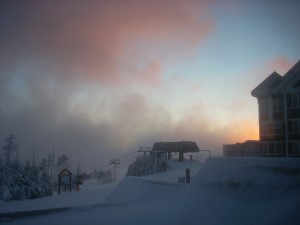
[[3, 188], [19, 182], [45, 179], [146, 165], [9, 147], [16, 185], [29, 191]]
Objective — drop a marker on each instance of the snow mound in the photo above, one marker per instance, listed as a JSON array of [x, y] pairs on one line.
[[261, 177], [154, 186], [133, 190]]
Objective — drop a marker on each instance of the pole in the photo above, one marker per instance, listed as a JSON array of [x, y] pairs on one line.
[[52, 162], [116, 163], [33, 155], [78, 168]]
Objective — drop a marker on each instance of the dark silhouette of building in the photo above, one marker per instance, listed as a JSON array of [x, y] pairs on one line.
[[249, 148], [181, 147], [279, 113]]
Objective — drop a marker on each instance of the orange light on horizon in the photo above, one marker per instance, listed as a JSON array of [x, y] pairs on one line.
[[242, 131]]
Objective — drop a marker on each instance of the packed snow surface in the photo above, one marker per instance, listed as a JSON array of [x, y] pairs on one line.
[[224, 191]]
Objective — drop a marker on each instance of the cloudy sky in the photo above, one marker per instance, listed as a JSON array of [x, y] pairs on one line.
[[98, 79]]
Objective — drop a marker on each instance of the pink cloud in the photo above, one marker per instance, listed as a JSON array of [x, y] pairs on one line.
[[91, 41], [281, 64]]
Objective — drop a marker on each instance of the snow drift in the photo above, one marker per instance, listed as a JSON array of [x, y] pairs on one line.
[[260, 177]]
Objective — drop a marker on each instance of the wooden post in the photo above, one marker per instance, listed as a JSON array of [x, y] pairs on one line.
[[70, 182], [59, 180], [187, 176]]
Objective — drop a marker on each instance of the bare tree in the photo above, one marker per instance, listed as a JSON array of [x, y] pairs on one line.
[[63, 162]]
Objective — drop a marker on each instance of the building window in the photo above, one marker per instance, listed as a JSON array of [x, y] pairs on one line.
[[278, 128], [278, 116], [271, 129], [264, 117], [264, 148], [264, 129], [294, 148], [271, 148], [293, 126], [277, 104], [293, 100], [279, 148], [264, 105]]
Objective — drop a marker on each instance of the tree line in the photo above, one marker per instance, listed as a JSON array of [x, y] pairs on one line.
[[34, 180], [19, 181]]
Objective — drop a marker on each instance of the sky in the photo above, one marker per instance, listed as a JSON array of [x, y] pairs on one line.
[[97, 79]]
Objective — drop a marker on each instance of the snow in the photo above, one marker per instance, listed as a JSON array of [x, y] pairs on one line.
[[224, 191], [84, 197]]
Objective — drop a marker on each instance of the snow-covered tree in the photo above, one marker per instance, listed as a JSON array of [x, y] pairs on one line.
[[16, 186], [147, 165], [9, 148], [45, 179], [24, 182]]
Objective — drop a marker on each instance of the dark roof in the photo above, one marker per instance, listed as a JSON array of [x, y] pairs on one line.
[[181, 146], [276, 84], [65, 172], [269, 84], [293, 72]]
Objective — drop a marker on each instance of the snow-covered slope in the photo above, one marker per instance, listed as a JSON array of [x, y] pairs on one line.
[[226, 191], [244, 191], [133, 189], [91, 193], [260, 177]]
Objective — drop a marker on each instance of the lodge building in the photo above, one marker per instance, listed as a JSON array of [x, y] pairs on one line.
[[279, 113]]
